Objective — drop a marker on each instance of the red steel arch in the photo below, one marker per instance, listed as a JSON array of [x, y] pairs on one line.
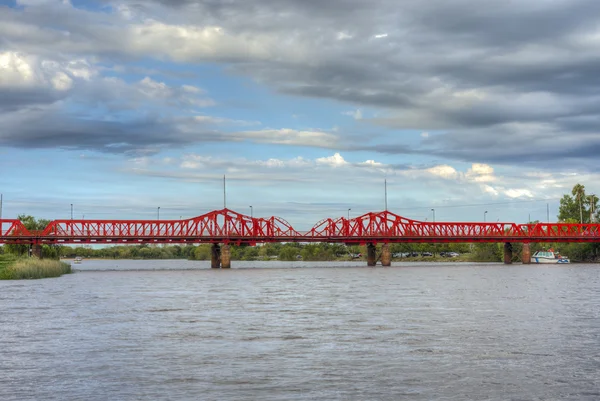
[[228, 226]]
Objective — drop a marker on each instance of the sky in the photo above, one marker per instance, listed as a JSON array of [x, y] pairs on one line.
[[307, 107]]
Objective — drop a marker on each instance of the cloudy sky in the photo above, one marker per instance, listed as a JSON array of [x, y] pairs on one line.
[[307, 106]]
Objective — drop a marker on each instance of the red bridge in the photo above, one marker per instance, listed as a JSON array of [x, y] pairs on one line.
[[228, 227]]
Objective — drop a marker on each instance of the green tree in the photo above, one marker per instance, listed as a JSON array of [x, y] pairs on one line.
[[579, 194], [578, 208], [484, 252]]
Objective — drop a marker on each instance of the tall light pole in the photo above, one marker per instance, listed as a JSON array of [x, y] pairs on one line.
[[251, 212], [71, 211], [433, 210], [349, 213], [158, 213], [385, 184], [484, 213], [0, 208]]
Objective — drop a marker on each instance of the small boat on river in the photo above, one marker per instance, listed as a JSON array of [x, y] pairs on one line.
[[77, 260], [549, 256]]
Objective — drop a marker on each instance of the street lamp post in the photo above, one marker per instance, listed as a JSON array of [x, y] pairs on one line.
[[158, 213], [251, 213], [71, 211], [484, 213], [433, 210], [349, 214]]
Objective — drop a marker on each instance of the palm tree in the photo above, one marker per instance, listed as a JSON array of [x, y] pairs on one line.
[[579, 193]]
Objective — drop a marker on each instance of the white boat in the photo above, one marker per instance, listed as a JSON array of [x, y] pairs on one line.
[[77, 260], [548, 257]]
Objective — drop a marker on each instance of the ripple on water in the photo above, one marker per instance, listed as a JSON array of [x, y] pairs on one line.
[[177, 330]]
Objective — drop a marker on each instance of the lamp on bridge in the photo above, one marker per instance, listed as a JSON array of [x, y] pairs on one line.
[[251, 212], [484, 213], [433, 210], [349, 214], [158, 213], [71, 211]]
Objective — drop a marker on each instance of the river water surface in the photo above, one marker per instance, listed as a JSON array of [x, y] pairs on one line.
[[176, 330]]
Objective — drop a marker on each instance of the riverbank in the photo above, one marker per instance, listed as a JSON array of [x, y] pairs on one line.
[[12, 268]]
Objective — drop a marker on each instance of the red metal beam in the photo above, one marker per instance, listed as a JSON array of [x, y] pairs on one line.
[[227, 226]]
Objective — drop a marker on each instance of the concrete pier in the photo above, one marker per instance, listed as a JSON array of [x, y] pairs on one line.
[[225, 256], [371, 255], [36, 250], [386, 255], [508, 253], [215, 256], [526, 254]]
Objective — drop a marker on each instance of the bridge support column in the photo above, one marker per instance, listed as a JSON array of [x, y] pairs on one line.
[[225, 257], [371, 255], [36, 250], [508, 253], [526, 254], [215, 256], [386, 255]]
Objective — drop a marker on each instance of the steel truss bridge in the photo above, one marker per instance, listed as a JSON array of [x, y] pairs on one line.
[[229, 227]]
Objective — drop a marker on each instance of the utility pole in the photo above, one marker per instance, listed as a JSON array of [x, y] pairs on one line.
[[548, 212], [71, 211], [224, 194], [385, 185], [0, 207]]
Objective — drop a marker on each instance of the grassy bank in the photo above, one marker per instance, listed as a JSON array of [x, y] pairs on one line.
[[31, 268]]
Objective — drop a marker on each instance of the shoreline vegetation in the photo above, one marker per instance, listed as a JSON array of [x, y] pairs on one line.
[[19, 268]]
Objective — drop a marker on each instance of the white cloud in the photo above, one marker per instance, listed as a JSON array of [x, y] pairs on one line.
[[424, 134], [356, 114], [343, 36], [444, 171], [334, 161], [371, 163], [195, 161], [480, 172], [490, 190], [18, 70], [518, 193], [286, 136]]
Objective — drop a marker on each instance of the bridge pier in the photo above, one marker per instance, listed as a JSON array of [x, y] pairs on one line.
[[386, 255], [371, 255], [36, 250], [508, 253], [225, 256], [215, 256], [526, 254]]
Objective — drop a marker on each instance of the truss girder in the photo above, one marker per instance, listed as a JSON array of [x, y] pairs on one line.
[[229, 226]]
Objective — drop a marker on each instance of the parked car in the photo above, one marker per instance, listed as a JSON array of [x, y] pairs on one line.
[[401, 254], [453, 254], [426, 254]]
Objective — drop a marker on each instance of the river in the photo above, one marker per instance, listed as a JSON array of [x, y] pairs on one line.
[[177, 330]]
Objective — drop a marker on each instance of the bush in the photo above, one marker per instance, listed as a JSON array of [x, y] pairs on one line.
[[33, 268]]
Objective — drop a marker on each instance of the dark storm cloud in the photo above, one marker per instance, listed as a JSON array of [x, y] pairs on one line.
[[496, 80], [143, 136]]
